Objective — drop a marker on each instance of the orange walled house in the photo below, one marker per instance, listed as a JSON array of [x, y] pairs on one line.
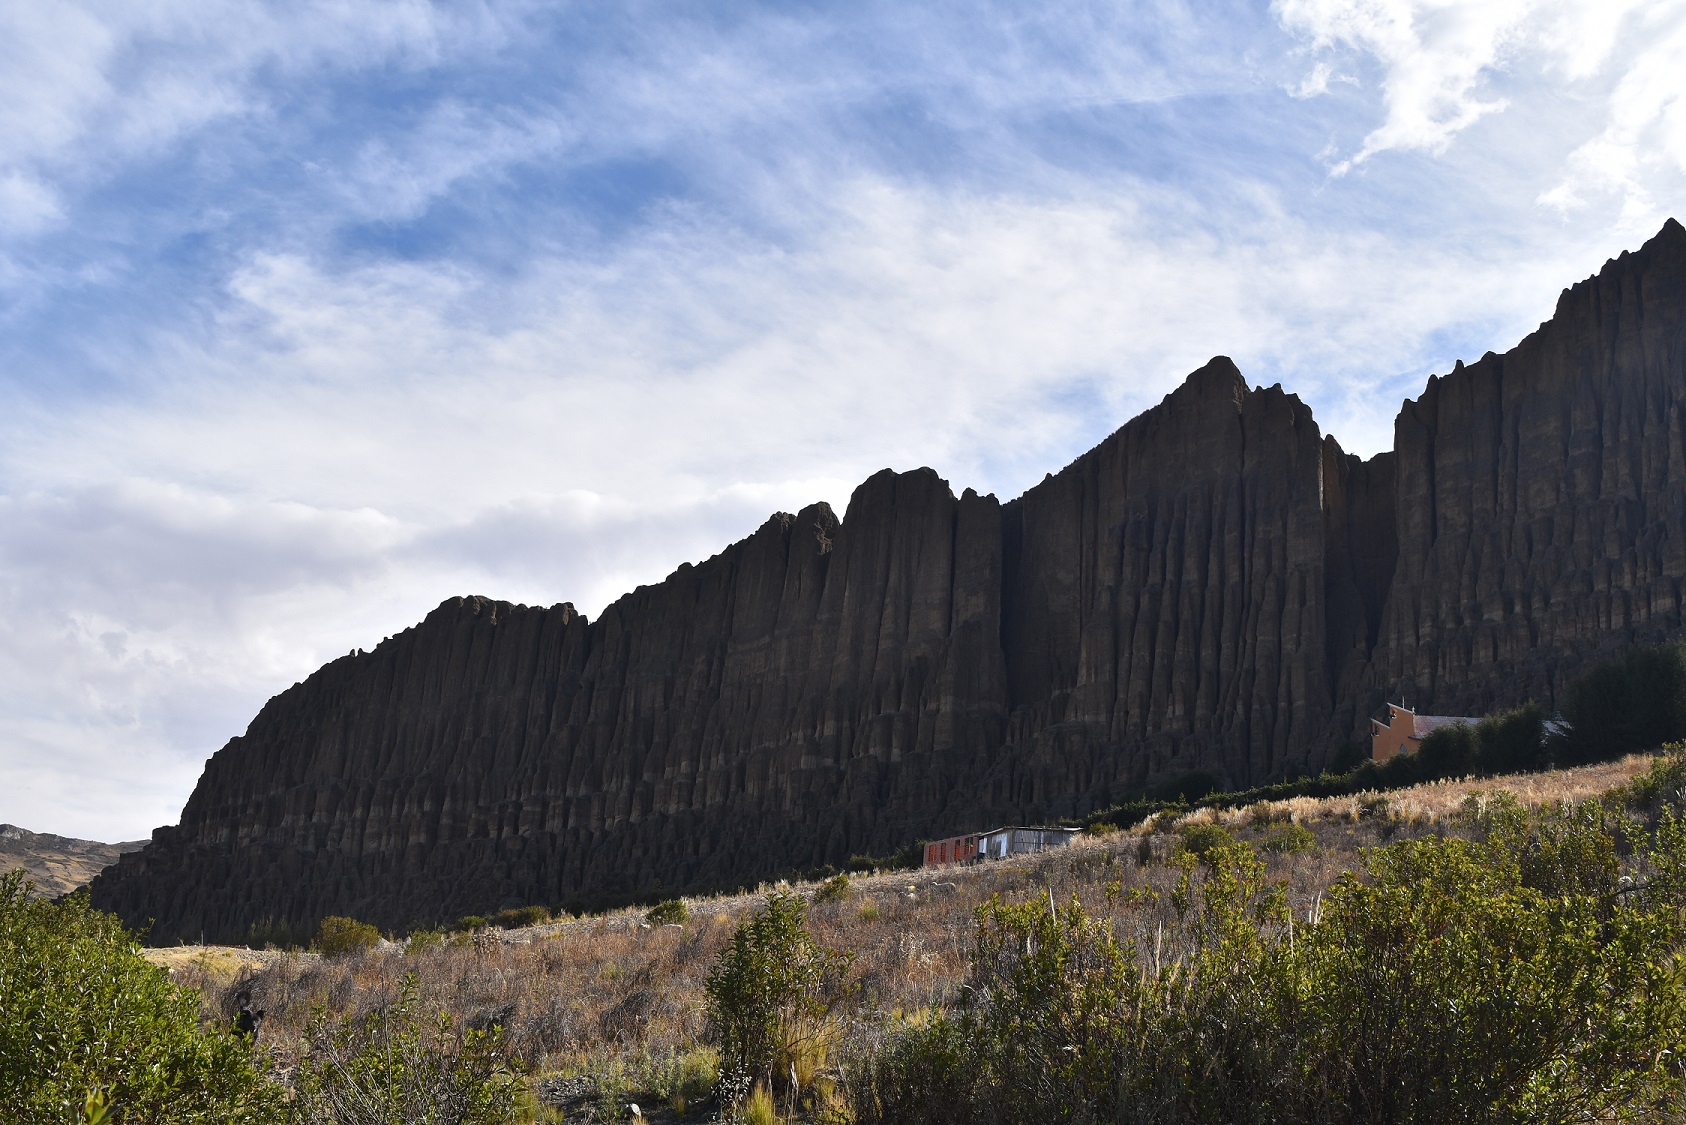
[[1405, 729]]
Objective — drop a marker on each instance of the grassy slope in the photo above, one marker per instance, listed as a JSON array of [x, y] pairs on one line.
[[607, 992]]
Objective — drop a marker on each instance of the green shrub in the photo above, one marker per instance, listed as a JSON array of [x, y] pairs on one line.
[[468, 923], [1508, 742], [834, 889], [1198, 840], [1512, 741], [683, 1079], [1661, 787], [1511, 978], [1635, 701], [517, 917], [913, 855], [339, 937], [926, 1075], [673, 912], [268, 933], [1450, 751], [398, 1065], [422, 941], [86, 1023], [1165, 820], [770, 1001], [1287, 839]]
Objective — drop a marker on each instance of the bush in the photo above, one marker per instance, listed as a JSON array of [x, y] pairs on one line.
[[268, 933], [520, 916], [684, 1079], [1448, 752], [1509, 742], [338, 937], [1512, 742], [1510, 978], [913, 855], [1186, 788], [399, 1065], [423, 941], [1199, 840], [1660, 788], [770, 1000], [1636, 701], [86, 1021], [834, 889], [1287, 839], [468, 923], [925, 1075], [673, 912]]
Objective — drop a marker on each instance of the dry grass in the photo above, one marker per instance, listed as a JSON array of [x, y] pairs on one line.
[[1436, 802], [613, 995]]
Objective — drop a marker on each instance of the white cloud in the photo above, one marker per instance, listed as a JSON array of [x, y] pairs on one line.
[[1441, 61], [1436, 55], [86, 85], [1643, 144]]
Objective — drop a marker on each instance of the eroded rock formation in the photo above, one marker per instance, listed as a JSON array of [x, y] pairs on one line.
[[1217, 586]]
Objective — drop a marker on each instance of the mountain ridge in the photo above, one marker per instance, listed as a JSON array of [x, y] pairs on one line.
[[57, 864], [1215, 586]]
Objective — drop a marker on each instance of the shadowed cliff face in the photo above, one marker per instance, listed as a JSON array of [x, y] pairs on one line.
[[1165, 593], [1541, 498], [1217, 586]]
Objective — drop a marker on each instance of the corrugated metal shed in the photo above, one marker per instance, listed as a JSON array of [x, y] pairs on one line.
[[1022, 840], [996, 844]]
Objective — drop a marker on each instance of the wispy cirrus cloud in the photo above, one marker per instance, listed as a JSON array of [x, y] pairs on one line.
[[1446, 66]]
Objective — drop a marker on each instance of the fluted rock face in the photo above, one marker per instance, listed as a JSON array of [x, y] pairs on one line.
[[1541, 498], [1217, 586], [1165, 593]]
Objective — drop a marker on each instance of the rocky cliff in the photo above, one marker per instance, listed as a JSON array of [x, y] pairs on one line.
[[1216, 587]]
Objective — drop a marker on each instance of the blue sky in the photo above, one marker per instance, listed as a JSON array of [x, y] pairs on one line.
[[315, 314]]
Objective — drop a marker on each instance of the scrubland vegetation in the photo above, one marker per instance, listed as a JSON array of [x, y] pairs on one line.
[[1475, 949], [1465, 950]]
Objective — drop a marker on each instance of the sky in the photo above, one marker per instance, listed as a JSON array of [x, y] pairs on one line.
[[314, 314]]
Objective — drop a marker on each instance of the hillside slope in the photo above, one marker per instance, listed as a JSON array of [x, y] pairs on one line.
[[57, 864]]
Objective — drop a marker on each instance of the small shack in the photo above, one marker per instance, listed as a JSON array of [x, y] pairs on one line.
[[1405, 730], [955, 849], [997, 844]]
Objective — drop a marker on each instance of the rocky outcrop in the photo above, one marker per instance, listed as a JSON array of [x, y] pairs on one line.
[[1216, 587]]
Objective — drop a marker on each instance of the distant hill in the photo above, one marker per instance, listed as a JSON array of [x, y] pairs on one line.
[[1217, 591], [57, 864]]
